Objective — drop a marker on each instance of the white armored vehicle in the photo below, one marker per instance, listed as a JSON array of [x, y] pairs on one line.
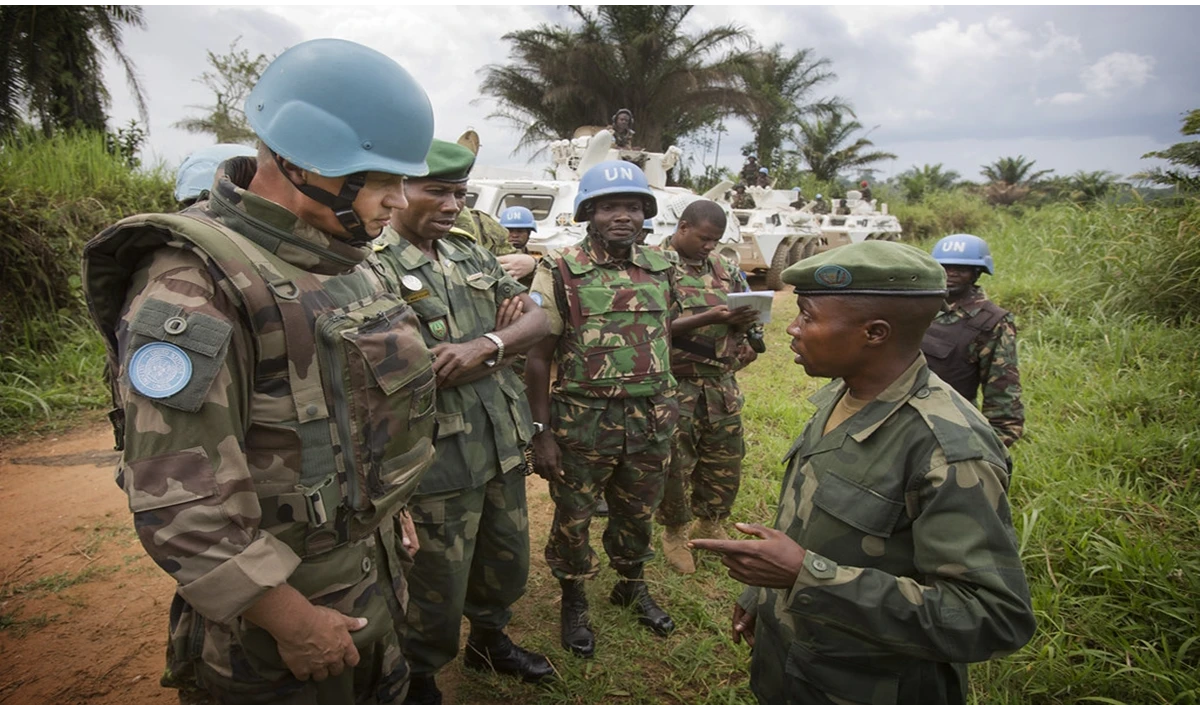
[[775, 235], [552, 201]]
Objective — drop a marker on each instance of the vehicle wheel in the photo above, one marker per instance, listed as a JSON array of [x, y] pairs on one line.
[[779, 262], [796, 252], [810, 247]]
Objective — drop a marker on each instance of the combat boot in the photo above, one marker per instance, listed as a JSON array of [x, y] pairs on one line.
[[423, 690], [631, 592], [674, 543], [492, 650], [577, 636], [710, 529]]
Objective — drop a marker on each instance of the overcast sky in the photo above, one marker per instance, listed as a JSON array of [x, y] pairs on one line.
[[1076, 88]]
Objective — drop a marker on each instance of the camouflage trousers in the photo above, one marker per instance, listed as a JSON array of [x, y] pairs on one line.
[[620, 447], [706, 451], [239, 664], [473, 560]]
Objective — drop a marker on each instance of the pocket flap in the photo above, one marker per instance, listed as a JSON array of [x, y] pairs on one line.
[[395, 355], [856, 505], [936, 348]]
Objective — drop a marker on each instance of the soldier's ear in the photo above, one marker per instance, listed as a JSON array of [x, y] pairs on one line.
[[877, 332]]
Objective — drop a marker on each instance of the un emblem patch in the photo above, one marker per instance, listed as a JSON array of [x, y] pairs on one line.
[[158, 370], [833, 276]]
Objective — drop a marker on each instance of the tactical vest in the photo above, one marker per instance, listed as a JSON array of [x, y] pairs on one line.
[[619, 342], [360, 420], [947, 348], [707, 351]]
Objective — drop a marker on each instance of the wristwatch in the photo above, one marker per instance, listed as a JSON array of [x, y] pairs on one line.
[[499, 349], [538, 427]]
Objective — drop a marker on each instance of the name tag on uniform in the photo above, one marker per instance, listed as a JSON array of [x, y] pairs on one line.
[[474, 276]]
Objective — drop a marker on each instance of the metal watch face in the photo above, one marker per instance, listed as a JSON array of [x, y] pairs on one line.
[[411, 283]]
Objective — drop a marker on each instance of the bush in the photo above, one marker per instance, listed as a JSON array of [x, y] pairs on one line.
[[942, 213], [56, 193]]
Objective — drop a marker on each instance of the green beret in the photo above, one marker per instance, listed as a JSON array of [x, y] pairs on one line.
[[875, 267], [449, 161]]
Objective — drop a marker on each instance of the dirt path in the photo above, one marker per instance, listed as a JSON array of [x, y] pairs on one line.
[[83, 610]]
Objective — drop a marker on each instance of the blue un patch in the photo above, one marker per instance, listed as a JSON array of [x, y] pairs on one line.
[[158, 370], [537, 297]]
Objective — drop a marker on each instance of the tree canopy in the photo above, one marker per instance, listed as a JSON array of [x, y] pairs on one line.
[[231, 79], [50, 64], [620, 56], [1184, 156]]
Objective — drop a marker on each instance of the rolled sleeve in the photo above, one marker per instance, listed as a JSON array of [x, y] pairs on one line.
[[236, 583]]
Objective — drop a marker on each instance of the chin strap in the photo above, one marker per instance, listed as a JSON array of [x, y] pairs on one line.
[[342, 203]]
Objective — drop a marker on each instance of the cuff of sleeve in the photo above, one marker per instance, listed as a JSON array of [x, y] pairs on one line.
[[231, 588], [817, 570]]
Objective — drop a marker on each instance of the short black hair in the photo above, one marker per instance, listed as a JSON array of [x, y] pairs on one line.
[[703, 211]]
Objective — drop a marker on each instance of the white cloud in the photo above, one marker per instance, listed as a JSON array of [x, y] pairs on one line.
[[861, 21], [1117, 71], [1065, 99], [949, 46]]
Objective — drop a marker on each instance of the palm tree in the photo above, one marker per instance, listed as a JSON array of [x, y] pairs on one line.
[[50, 64], [1184, 157], [821, 147], [1014, 171], [780, 88], [624, 56], [929, 178]]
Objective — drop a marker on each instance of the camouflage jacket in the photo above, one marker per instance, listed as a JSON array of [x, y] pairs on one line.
[[911, 554], [278, 402], [616, 317], [971, 344], [483, 426], [743, 200], [708, 351], [484, 230]]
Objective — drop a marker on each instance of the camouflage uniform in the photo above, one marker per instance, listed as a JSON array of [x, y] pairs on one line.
[[485, 230], [304, 423], [707, 448], [973, 343], [613, 404], [470, 510], [911, 567]]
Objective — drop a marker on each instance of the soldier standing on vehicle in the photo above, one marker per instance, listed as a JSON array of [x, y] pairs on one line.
[[622, 129], [469, 509], [609, 421], [819, 205], [972, 344], [893, 561], [708, 342], [274, 401], [866, 191], [741, 199], [750, 169], [799, 202], [764, 178]]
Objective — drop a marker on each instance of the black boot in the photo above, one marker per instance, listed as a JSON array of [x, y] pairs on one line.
[[577, 636], [423, 690], [631, 592], [492, 650]]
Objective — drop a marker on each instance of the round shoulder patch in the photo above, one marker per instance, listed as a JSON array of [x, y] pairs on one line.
[[158, 370], [833, 276], [537, 297]]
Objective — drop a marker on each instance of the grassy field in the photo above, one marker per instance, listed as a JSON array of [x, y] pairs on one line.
[[1105, 493]]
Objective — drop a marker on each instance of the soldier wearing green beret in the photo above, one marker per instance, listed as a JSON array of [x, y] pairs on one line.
[[469, 510], [893, 561]]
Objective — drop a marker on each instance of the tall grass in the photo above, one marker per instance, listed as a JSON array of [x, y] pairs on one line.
[[55, 194]]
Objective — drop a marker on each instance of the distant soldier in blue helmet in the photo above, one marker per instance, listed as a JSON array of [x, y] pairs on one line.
[[196, 174], [275, 402], [519, 222], [972, 344]]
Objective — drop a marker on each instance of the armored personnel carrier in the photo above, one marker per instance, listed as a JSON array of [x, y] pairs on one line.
[[775, 235], [552, 201]]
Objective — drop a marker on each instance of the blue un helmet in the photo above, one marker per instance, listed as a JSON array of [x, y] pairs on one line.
[[518, 218], [195, 175], [963, 249], [613, 178], [337, 108]]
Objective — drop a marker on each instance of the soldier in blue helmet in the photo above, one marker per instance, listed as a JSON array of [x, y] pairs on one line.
[[608, 420], [972, 344], [195, 177], [519, 222], [274, 401]]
